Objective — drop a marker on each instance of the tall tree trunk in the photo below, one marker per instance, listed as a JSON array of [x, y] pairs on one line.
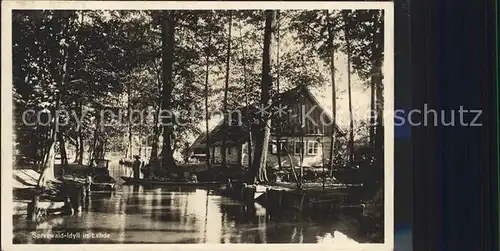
[[93, 153], [207, 91], [126, 151], [302, 143], [226, 89], [49, 160], [349, 92], [264, 130], [81, 148], [47, 174], [153, 155], [248, 114], [139, 138], [331, 39], [156, 128], [129, 108], [323, 164], [379, 90], [48, 136], [372, 109], [77, 150], [212, 155], [102, 149], [168, 42], [79, 154], [62, 150], [79, 139], [41, 144], [279, 126]]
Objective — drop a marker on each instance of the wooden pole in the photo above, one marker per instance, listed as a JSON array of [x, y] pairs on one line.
[[33, 208]]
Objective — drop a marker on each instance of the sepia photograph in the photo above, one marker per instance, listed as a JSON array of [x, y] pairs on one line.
[[198, 123]]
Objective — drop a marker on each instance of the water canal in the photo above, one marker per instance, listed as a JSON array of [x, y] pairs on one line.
[[136, 214]]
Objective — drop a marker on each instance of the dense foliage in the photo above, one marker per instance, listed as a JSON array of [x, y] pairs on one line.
[[89, 61]]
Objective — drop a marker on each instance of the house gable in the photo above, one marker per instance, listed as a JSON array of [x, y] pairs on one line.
[[297, 112]]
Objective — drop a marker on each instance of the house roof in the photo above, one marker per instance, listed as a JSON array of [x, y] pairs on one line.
[[237, 131]]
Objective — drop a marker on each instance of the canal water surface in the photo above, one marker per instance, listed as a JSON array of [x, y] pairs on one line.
[[136, 214]]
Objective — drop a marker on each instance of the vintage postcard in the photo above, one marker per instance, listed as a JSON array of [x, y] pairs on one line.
[[189, 125]]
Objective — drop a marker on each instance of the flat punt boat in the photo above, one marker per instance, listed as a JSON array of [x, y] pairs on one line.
[[102, 182], [102, 186], [130, 180]]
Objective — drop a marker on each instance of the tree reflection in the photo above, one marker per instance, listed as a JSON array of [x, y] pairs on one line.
[[165, 215]]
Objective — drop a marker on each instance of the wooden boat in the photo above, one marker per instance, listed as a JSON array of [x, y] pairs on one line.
[[102, 182], [102, 186], [130, 180]]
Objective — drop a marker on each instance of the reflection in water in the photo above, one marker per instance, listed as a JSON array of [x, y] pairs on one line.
[[337, 238], [135, 214]]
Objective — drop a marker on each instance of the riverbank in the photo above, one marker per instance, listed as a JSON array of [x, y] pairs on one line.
[[241, 211], [63, 196], [138, 214]]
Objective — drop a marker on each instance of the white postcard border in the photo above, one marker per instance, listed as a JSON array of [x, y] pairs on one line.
[[7, 121]]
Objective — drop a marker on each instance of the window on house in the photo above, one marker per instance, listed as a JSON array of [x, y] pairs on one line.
[[228, 151], [312, 147], [274, 146], [283, 147], [299, 147]]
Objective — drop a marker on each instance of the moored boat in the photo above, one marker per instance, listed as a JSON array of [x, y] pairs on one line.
[[102, 186], [130, 180], [102, 182]]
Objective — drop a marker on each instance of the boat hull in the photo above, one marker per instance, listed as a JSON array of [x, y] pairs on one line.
[[102, 186]]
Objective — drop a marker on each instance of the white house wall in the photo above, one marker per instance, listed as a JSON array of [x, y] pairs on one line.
[[315, 160]]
